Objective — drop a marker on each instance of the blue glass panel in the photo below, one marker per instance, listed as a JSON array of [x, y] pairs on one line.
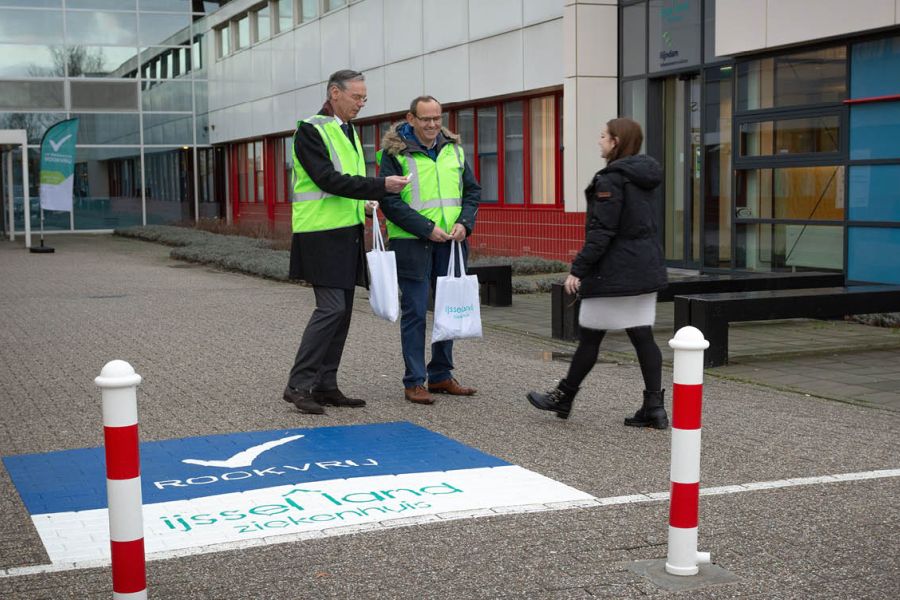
[[163, 129], [875, 130], [101, 28], [875, 193], [107, 189], [872, 255], [30, 27], [108, 128], [876, 68]]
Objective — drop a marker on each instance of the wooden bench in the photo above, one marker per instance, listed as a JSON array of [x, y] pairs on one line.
[[495, 282], [711, 313]]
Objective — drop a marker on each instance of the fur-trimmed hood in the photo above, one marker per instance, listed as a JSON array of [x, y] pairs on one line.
[[395, 143]]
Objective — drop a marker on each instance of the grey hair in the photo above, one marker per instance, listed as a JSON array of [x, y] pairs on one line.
[[340, 79]]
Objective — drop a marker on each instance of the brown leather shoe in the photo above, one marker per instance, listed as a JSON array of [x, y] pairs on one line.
[[450, 386], [418, 395]]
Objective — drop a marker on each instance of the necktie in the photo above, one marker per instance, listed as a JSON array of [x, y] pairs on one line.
[[347, 131]]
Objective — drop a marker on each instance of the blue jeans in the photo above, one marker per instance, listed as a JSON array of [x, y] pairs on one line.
[[413, 308]]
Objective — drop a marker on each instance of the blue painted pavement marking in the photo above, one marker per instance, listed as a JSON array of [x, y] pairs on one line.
[[75, 480]]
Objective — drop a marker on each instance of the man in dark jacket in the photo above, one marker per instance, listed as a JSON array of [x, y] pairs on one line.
[[440, 205], [327, 245]]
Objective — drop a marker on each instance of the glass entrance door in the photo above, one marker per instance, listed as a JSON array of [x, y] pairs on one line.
[[682, 151]]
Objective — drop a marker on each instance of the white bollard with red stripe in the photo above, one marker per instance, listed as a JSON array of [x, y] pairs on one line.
[[684, 498], [118, 383]]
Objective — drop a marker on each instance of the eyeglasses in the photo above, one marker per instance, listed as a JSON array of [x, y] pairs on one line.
[[359, 98], [429, 119]]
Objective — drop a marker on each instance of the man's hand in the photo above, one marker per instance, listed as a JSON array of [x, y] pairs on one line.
[[395, 183], [438, 235], [458, 232], [371, 206], [572, 284]]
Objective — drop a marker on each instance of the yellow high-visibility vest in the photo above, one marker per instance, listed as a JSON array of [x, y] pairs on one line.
[[436, 188], [313, 209]]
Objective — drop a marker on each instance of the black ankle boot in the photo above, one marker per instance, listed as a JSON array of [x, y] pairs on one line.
[[558, 400], [652, 412]]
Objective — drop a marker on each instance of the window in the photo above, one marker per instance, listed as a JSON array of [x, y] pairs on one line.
[[330, 5], [779, 247], [513, 148], [169, 30], [285, 10], [634, 29], [544, 147], [85, 28], [789, 182], [813, 77], [31, 95], [513, 153], [367, 139], [806, 135], [242, 32], [103, 95], [224, 38], [258, 168], [262, 24], [797, 193], [283, 163], [250, 173], [309, 10]]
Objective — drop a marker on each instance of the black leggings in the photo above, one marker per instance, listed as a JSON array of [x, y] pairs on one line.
[[649, 356]]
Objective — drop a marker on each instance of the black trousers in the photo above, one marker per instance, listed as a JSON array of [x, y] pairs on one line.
[[319, 356]]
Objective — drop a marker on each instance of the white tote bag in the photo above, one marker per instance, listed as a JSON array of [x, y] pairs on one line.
[[457, 309], [384, 291]]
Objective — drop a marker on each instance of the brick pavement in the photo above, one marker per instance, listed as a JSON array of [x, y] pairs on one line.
[[214, 349], [837, 360]]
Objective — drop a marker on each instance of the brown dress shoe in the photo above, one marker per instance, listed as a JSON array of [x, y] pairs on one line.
[[450, 386], [418, 395]]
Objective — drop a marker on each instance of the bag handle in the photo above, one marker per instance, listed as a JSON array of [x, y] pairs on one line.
[[451, 266], [377, 238]]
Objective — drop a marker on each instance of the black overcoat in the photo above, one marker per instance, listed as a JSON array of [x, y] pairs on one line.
[[622, 255], [333, 258]]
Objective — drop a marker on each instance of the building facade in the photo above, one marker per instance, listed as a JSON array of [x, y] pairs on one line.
[[776, 120]]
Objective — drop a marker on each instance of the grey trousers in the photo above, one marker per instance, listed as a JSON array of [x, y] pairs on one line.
[[316, 364]]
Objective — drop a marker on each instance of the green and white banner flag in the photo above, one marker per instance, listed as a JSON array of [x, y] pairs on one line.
[[58, 166]]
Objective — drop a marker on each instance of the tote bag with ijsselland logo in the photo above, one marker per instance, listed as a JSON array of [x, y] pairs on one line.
[[384, 290], [457, 310]]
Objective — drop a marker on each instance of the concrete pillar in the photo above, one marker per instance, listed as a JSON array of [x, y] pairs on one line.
[[591, 33]]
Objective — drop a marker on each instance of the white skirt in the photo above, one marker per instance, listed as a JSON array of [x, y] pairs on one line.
[[618, 312]]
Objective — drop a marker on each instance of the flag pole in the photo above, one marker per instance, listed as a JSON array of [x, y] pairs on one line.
[[42, 249], [57, 172]]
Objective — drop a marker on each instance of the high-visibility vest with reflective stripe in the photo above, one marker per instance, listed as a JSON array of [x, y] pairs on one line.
[[314, 209], [436, 188]]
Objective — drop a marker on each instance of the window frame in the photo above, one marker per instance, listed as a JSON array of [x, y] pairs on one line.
[[453, 109]]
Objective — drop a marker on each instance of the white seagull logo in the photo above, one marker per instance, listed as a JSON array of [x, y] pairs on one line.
[[58, 145], [244, 458]]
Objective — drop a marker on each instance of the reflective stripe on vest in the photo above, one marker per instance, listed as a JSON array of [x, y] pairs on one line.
[[314, 209], [439, 205]]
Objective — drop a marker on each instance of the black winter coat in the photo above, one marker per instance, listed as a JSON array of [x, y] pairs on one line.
[[622, 255], [333, 258]]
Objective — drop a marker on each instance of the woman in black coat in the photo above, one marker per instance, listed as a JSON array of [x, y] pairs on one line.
[[618, 271]]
